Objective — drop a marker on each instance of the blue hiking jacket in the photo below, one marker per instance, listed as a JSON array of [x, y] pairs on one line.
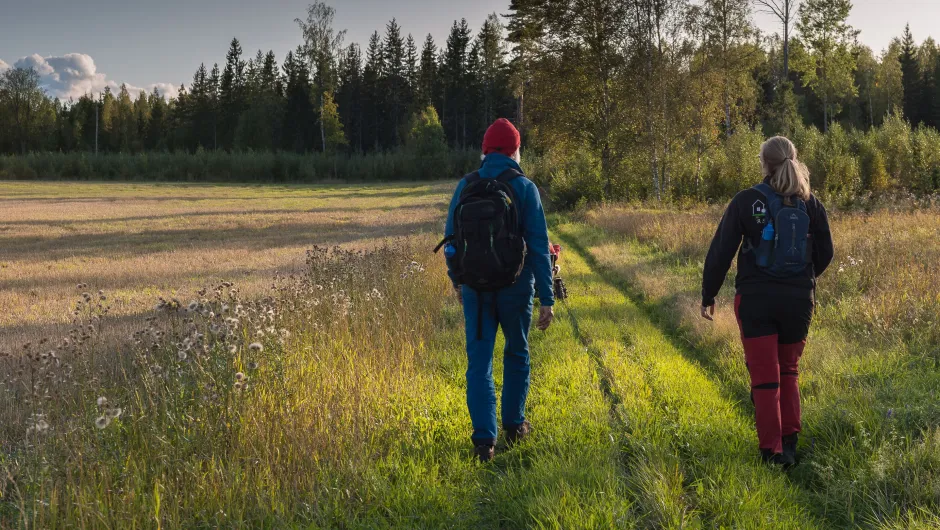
[[538, 265]]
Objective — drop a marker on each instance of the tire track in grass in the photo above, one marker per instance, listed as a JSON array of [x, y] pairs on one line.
[[672, 406], [567, 474], [835, 474], [651, 469]]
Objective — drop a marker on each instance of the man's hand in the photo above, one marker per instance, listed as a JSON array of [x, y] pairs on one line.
[[708, 312], [546, 315]]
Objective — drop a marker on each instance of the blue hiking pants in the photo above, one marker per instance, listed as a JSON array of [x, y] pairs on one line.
[[511, 310]]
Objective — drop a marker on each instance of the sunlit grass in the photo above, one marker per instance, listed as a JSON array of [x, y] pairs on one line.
[[870, 389]]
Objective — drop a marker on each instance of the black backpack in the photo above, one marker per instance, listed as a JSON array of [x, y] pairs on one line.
[[489, 249]]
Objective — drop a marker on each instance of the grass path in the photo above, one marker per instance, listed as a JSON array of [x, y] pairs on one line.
[[629, 434], [691, 457], [858, 469]]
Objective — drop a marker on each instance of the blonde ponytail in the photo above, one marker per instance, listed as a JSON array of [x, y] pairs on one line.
[[788, 176]]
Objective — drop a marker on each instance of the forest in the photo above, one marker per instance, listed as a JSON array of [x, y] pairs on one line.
[[642, 99]]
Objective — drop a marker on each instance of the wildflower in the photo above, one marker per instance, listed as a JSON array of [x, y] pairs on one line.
[[239, 376], [238, 386], [114, 413], [181, 355], [40, 426], [194, 305], [252, 365], [102, 422], [102, 401], [233, 348], [255, 347]]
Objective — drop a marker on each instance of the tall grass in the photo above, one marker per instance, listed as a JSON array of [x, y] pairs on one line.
[[262, 166], [871, 373], [228, 411]]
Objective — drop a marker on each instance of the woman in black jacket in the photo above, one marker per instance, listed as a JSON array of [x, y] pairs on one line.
[[774, 308]]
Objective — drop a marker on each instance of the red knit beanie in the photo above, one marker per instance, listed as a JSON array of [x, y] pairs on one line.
[[502, 137]]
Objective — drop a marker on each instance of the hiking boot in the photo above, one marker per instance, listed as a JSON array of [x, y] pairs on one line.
[[778, 459], [789, 445], [517, 433], [484, 452]]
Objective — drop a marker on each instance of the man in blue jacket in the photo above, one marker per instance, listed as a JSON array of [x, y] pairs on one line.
[[513, 305]]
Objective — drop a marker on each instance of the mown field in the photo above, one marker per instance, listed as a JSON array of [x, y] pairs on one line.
[[286, 383]]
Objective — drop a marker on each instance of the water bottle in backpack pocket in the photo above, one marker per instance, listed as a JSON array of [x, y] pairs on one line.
[[784, 250], [487, 250]]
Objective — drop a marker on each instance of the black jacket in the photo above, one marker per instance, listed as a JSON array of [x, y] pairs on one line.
[[744, 221]]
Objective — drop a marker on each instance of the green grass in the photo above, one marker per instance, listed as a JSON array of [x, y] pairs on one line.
[[870, 451], [354, 412]]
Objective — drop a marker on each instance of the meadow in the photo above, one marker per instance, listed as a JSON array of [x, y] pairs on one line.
[[291, 356]]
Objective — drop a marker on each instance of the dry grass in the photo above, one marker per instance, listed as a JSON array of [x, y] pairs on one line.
[[883, 283], [139, 241]]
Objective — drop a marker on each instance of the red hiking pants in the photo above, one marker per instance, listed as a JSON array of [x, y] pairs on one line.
[[773, 331]]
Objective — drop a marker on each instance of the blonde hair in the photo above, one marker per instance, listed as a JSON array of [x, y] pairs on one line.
[[788, 176]]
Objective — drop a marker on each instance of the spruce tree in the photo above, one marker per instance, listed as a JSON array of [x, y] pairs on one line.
[[427, 73], [349, 97], [911, 78], [454, 78], [372, 81], [231, 94], [396, 83]]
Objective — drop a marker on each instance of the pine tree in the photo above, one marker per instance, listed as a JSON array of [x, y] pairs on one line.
[[911, 78], [396, 83], [214, 104], [201, 111], [411, 73], [427, 73], [156, 130], [299, 132], [454, 79], [349, 97], [372, 81], [231, 94], [526, 29], [493, 73]]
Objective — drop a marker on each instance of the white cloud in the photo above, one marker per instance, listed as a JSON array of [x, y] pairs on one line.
[[3, 65], [74, 74]]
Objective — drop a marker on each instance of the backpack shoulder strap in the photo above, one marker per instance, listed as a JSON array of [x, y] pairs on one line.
[[765, 190], [472, 178], [509, 175], [774, 201]]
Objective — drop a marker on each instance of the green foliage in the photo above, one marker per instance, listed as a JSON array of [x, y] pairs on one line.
[[425, 133], [240, 166], [332, 126]]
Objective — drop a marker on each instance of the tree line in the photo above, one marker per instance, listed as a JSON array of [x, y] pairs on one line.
[[646, 97], [324, 96]]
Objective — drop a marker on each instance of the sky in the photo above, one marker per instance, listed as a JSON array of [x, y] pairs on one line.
[[84, 46]]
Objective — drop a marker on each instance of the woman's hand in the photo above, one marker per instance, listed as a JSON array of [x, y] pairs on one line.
[[708, 312]]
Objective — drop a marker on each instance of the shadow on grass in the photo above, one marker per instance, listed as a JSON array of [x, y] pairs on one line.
[[693, 349], [208, 239], [316, 193], [219, 213]]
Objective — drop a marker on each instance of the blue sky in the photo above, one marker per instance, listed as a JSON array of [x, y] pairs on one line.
[[163, 42]]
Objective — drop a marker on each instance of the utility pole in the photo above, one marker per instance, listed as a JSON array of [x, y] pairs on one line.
[[322, 129], [96, 124]]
